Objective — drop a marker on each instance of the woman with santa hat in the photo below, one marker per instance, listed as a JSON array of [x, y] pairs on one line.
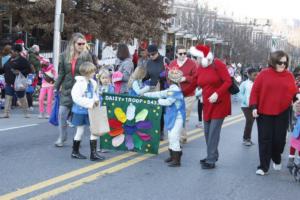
[[214, 79]]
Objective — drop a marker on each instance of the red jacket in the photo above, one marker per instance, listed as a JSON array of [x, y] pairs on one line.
[[189, 70], [273, 92], [215, 78]]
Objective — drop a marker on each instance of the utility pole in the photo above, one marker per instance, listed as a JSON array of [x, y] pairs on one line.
[[57, 30]]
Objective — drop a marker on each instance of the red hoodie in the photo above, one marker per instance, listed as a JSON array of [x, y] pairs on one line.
[[273, 92]]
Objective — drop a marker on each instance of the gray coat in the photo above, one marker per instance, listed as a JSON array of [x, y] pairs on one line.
[[126, 67]]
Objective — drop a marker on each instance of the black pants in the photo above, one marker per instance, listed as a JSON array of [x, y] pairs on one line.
[[249, 122], [162, 123], [29, 99], [272, 132], [200, 109]]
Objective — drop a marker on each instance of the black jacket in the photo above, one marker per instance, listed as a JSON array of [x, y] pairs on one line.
[[18, 63], [154, 68]]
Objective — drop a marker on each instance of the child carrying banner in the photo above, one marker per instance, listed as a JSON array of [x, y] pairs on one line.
[[136, 86], [174, 115], [85, 96]]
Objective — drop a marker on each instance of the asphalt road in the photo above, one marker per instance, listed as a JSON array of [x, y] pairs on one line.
[[32, 168]]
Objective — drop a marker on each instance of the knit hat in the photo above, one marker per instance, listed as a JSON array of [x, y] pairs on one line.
[[175, 75], [203, 52], [152, 48]]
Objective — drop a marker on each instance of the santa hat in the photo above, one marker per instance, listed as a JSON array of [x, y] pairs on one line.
[[19, 41], [202, 51]]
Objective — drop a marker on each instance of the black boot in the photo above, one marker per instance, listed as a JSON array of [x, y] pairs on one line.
[[75, 153], [94, 155], [170, 158], [176, 159]]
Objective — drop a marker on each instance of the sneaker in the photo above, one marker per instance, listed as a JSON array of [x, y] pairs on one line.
[[70, 124], [31, 109], [199, 125], [260, 172], [47, 116], [41, 116], [277, 167], [247, 142]]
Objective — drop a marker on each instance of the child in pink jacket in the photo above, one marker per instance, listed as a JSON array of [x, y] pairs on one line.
[[48, 75]]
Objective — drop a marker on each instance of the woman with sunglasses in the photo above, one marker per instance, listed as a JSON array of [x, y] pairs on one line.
[[75, 54], [271, 98]]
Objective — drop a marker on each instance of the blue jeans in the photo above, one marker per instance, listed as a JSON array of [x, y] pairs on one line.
[[9, 90]]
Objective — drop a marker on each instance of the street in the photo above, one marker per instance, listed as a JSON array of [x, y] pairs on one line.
[[32, 168]]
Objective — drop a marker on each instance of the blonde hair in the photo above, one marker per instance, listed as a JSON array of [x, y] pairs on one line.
[[138, 74], [103, 72], [87, 68], [70, 50]]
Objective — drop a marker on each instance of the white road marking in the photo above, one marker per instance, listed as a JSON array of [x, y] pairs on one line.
[[17, 127]]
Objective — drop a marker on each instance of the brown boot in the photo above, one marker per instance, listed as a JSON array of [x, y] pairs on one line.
[[170, 158], [24, 105], [7, 106], [176, 159]]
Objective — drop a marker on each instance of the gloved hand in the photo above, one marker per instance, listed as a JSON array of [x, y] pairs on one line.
[[163, 74], [213, 98], [147, 82]]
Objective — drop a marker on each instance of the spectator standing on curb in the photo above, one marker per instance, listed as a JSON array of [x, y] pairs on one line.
[[6, 54], [188, 82], [75, 54], [124, 66], [15, 65]]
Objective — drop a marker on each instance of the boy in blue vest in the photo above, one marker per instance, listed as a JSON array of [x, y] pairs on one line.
[[174, 116]]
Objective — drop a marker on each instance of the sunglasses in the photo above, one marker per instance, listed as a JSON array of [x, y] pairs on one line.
[[181, 54], [80, 43], [281, 63], [152, 54]]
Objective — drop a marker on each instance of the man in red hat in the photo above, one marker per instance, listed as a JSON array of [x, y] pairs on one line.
[[24, 52], [187, 83], [214, 79]]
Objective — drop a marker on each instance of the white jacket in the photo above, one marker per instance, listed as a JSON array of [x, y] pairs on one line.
[[79, 89]]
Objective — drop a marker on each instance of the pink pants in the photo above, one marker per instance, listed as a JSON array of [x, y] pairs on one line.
[[43, 92]]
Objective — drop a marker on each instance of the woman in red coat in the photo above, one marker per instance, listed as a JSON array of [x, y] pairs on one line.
[[271, 97], [214, 79]]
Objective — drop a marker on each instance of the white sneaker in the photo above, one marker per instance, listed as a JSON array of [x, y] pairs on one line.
[[41, 116], [47, 116], [31, 109], [277, 167], [260, 172]]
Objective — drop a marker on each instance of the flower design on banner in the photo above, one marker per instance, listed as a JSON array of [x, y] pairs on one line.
[[128, 127]]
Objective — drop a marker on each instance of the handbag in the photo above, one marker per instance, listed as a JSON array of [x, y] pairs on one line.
[[55, 109], [98, 120], [21, 82], [234, 88]]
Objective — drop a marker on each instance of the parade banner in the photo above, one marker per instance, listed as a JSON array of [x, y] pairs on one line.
[[134, 123]]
